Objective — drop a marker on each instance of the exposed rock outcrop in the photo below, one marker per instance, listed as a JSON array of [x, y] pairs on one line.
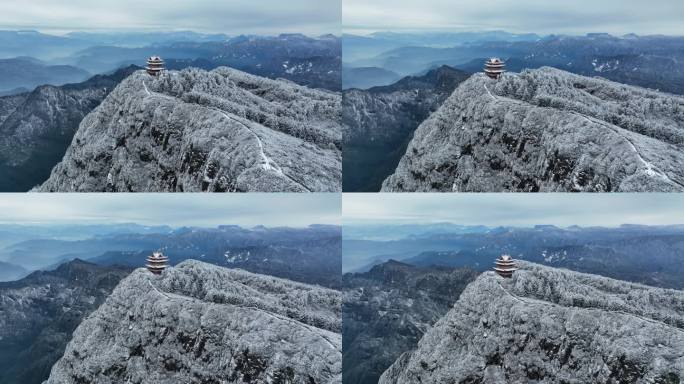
[[547, 130], [379, 123], [39, 313], [193, 130], [199, 323], [388, 309], [548, 325], [36, 127]]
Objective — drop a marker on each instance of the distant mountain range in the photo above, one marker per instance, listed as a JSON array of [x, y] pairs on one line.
[[311, 255], [645, 61], [27, 73], [54, 47], [358, 47], [39, 45], [9, 272], [379, 122], [388, 232], [612, 252], [367, 77], [314, 62], [140, 39], [309, 61], [37, 127], [16, 233]]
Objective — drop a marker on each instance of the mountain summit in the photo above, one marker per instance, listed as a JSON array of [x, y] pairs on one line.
[[547, 130], [193, 130], [547, 325], [199, 323]]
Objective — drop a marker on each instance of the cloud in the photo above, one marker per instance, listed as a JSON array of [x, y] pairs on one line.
[[203, 210], [540, 16], [218, 16], [514, 209]]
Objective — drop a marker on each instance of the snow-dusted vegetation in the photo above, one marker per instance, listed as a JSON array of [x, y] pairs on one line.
[[386, 311], [202, 323], [547, 130], [550, 326], [193, 130], [378, 123], [36, 127]]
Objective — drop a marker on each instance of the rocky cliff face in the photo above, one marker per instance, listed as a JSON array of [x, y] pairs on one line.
[[39, 313], [388, 309], [36, 127], [379, 123], [193, 130], [547, 130], [199, 323], [549, 325]]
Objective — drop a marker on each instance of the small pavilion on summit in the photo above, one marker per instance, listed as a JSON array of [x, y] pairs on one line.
[[155, 65], [494, 67], [505, 266], [157, 263]]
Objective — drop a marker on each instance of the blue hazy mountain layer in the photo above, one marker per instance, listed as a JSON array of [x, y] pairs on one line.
[[645, 61], [38, 58], [311, 254], [646, 254]]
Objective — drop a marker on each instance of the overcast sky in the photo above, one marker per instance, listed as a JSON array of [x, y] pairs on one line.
[[514, 209], [540, 16], [202, 210], [266, 17]]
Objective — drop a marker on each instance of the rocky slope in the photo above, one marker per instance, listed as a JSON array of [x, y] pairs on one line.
[[379, 123], [387, 310], [547, 130], [199, 323], [36, 127], [549, 325], [39, 313], [193, 130]]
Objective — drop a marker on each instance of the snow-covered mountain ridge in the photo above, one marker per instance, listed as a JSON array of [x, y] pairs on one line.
[[547, 130], [199, 323], [548, 325], [193, 130]]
